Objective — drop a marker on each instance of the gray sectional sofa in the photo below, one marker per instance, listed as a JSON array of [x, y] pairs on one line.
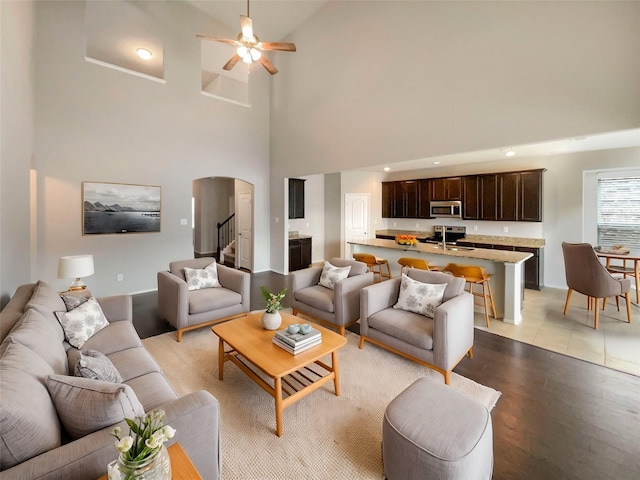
[[34, 443]]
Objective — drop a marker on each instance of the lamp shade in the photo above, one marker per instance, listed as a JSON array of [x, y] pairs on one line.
[[75, 266]]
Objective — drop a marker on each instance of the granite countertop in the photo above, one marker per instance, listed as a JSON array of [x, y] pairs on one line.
[[297, 236], [488, 239], [502, 256]]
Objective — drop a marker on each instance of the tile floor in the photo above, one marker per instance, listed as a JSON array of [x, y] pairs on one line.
[[616, 343]]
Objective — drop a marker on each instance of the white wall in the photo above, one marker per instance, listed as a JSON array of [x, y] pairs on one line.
[[98, 124], [388, 81], [16, 141]]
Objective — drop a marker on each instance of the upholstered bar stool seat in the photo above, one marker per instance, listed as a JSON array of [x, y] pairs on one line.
[[374, 264], [431, 431]]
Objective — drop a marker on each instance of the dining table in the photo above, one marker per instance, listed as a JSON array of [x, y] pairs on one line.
[[629, 265]]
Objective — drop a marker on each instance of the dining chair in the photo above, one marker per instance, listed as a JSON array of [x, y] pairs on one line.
[[585, 274]]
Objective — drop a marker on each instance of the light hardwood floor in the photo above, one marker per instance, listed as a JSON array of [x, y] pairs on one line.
[[616, 343]]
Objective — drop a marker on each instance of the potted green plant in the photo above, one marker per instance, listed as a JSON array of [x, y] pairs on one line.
[[271, 319]]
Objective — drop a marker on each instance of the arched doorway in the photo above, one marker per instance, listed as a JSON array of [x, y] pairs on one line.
[[223, 220]]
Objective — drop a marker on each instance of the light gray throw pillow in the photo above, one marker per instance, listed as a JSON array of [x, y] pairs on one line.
[[199, 278], [332, 274], [82, 322], [85, 405], [419, 297], [96, 365]]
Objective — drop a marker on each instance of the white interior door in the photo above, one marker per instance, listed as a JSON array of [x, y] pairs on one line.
[[356, 219], [245, 231]]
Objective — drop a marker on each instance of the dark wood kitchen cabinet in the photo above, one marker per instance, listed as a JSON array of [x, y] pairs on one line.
[[471, 195], [299, 253], [508, 196], [400, 199], [530, 208], [446, 188], [488, 187], [296, 197], [424, 196], [480, 197]]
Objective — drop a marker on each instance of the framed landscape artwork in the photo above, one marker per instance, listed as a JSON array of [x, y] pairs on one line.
[[109, 208]]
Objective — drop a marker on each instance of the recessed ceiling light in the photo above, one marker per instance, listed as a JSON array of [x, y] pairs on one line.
[[436, 163], [510, 153], [386, 169], [144, 54]]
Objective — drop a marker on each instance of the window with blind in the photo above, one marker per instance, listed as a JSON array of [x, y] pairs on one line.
[[619, 212]]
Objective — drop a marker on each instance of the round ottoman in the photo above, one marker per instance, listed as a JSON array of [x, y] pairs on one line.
[[432, 431]]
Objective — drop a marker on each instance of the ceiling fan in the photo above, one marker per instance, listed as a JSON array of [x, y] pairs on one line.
[[249, 47]]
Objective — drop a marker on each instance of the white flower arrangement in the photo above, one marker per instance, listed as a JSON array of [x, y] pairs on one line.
[[149, 434]]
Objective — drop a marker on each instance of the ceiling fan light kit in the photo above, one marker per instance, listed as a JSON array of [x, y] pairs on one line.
[[249, 48]]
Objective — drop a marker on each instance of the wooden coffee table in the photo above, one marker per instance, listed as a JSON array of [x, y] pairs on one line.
[[286, 377]]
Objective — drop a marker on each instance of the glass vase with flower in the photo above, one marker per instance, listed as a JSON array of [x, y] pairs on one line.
[[143, 455]]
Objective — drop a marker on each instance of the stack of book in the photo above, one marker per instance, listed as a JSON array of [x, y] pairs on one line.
[[297, 342]]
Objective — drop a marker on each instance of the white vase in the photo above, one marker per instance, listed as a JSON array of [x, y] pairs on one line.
[[271, 321]]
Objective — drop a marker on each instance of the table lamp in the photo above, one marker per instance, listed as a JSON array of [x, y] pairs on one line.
[[76, 266]]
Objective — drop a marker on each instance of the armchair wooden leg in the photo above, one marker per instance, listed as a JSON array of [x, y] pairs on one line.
[[447, 377], [597, 313], [341, 330], [628, 298], [470, 352], [179, 335], [566, 304], [618, 302], [361, 342]]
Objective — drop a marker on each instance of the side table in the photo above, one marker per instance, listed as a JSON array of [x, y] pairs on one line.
[[181, 466]]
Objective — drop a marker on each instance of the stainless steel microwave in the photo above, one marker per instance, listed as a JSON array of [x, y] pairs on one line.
[[445, 209]]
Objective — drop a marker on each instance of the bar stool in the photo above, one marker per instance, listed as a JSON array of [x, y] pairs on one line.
[[374, 264], [475, 275], [406, 263]]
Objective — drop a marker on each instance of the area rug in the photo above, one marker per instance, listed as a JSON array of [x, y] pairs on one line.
[[324, 436]]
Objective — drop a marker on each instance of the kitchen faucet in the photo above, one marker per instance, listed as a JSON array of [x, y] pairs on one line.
[[444, 235]]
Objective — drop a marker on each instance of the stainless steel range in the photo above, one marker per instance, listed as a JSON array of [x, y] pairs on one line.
[[451, 234]]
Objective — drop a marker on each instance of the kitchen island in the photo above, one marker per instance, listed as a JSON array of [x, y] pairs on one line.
[[506, 267]]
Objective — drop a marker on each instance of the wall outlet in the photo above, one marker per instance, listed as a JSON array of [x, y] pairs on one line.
[[277, 219], [475, 228], [417, 225], [505, 229], [307, 224], [120, 277], [183, 221], [395, 224]]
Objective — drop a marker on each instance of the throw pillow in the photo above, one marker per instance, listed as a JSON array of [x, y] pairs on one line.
[[82, 322], [96, 365], [85, 405], [198, 278], [72, 301], [331, 274], [419, 297]]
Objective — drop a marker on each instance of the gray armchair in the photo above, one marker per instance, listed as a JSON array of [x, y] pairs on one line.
[[186, 310], [339, 307], [438, 343], [585, 274]]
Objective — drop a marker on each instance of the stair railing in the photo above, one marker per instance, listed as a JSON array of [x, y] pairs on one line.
[[226, 234]]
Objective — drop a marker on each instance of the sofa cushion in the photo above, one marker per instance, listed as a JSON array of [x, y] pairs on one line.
[[419, 297], [134, 362], [115, 337], [199, 278], [13, 310], [47, 301], [29, 424], [153, 390], [82, 322], [85, 405], [412, 328], [212, 299], [36, 332], [317, 296], [332, 274], [96, 365]]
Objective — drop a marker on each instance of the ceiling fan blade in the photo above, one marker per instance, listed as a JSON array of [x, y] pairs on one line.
[[246, 25], [232, 62], [268, 65], [228, 41], [281, 46]]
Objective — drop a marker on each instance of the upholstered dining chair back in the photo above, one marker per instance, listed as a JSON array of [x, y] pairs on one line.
[[585, 274]]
